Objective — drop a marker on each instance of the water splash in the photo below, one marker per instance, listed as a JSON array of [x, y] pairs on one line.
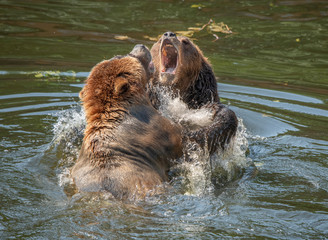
[[67, 140], [173, 108], [69, 130], [228, 165], [205, 172]]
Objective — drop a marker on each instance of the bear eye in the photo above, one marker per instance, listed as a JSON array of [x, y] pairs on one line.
[[185, 41], [124, 74]]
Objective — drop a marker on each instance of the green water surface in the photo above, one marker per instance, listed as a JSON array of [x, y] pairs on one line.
[[272, 71]]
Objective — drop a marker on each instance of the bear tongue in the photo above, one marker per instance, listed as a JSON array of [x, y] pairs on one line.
[[169, 58]]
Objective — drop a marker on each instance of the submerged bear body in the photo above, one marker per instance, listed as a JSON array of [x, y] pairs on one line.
[[130, 159], [128, 146]]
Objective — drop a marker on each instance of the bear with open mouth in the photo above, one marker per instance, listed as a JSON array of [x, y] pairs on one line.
[[180, 65], [128, 146]]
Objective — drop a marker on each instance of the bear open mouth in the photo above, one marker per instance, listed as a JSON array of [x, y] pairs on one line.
[[169, 57]]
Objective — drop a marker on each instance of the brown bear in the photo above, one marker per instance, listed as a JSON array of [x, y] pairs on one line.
[[128, 146], [181, 65]]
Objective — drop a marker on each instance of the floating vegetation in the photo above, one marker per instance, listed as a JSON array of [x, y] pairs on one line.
[[46, 74], [121, 37], [211, 27], [151, 38], [58, 75], [199, 6]]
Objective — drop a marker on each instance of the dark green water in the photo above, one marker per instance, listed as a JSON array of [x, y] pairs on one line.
[[273, 72]]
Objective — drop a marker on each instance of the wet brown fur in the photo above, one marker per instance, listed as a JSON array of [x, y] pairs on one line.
[[195, 83], [127, 145]]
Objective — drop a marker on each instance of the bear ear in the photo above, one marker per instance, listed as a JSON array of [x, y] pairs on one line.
[[121, 86]]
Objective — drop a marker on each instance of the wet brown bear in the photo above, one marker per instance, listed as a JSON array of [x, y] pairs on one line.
[[180, 64], [127, 145]]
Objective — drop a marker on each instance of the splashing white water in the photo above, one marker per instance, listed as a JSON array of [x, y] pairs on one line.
[[67, 140], [70, 125], [199, 176], [173, 108], [228, 164], [206, 172]]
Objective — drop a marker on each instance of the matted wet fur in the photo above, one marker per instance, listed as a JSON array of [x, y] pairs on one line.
[[180, 65], [127, 145]]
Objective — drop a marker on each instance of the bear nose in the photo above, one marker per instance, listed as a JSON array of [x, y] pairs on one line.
[[169, 34]]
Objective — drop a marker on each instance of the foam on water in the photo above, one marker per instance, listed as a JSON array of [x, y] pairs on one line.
[[205, 171], [208, 172]]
